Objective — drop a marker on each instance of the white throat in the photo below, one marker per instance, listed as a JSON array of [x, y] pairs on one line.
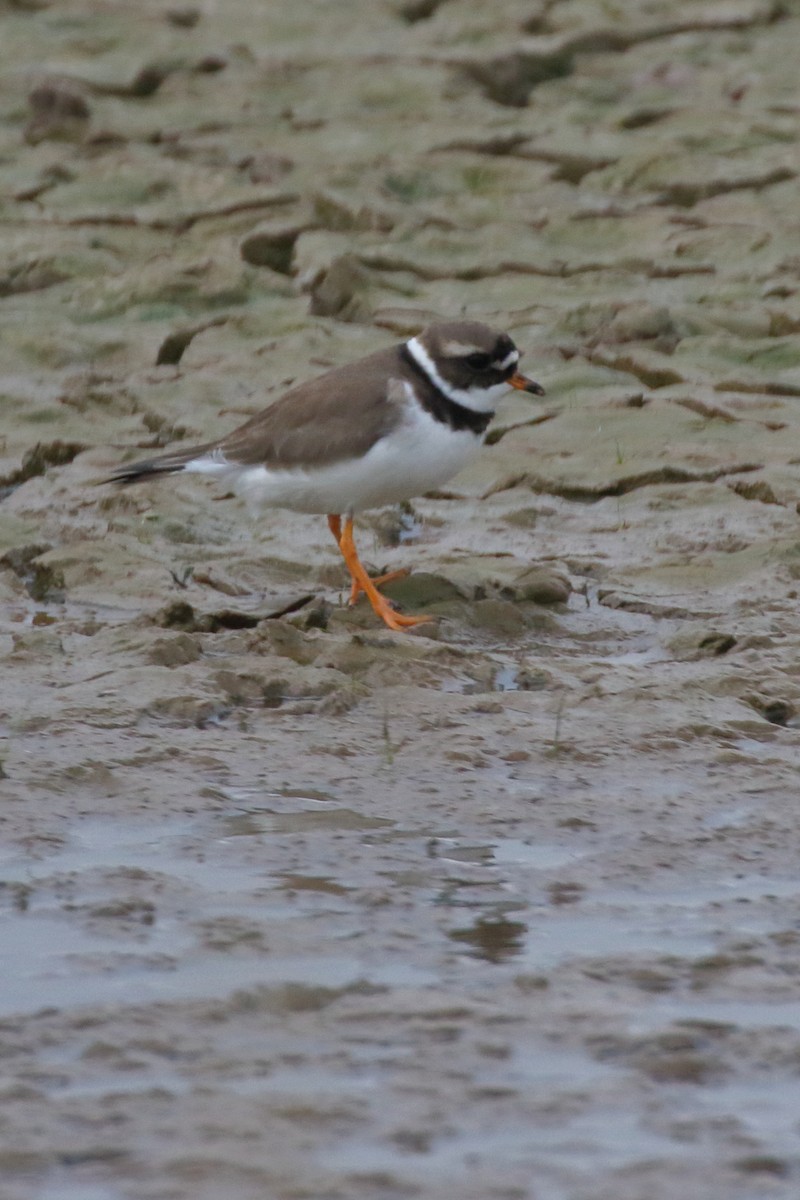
[[476, 399]]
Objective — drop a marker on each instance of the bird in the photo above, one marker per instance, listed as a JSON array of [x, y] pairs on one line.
[[393, 425]]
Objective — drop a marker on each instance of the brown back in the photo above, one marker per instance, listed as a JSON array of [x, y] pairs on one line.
[[338, 416]]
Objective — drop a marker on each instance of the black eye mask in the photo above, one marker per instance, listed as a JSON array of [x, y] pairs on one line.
[[478, 361]]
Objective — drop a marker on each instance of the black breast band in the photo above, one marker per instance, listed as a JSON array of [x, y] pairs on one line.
[[439, 405]]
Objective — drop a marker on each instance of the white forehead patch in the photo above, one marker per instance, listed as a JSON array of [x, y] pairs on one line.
[[454, 349], [459, 349]]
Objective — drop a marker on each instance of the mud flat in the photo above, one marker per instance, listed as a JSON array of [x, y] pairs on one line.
[[298, 908]]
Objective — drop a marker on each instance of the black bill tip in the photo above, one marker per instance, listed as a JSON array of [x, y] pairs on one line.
[[523, 384]]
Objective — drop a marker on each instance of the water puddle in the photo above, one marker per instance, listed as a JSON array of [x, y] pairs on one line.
[[285, 800], [507, 679], [451, 850], [588, 1141], [753, 748], [61, 1187], [503, 852], [745, 1014], [70, 931], [104, 845], [635, 657], [410, 530], [730, 818], [308, 1082], [561, 936], [64, 967], [510, 677], [539, 855], [738, 888], [461, 685], [767, 1110]]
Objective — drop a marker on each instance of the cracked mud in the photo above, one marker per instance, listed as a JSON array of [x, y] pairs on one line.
[[297, 908]]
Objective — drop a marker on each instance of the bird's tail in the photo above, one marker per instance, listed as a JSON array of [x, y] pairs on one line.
[[148, 468]]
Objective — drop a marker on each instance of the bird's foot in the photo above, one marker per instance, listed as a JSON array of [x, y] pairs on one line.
[[395, 620], [382, 607], [377, 581]]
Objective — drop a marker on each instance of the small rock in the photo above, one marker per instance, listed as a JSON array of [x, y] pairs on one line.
[[714, 644], [285, 640], [174, 651], [183, 18], [316, 615], [175, 344], [523, 518], [755, 489], [178, 615], [778, 711], [60, 112], [209, 64], [542, 585], [643, 321], [341, 292], [412, 11], [510, 78], [339, 212], [532, 681], [500, 618], [268, 168], [148, 80], [421, 589], [271, 244]]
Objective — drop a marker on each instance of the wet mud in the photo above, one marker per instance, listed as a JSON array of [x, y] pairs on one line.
[[296, 907]]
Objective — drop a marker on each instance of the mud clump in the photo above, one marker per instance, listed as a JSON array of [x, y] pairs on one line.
[[36, 461], [42, 582], [60, 112]]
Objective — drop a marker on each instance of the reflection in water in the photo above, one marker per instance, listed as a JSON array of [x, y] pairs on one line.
[[260, 821], [493, 938]]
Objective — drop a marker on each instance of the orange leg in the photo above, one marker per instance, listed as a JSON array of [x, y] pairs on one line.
[[361, 580], [335, 526]]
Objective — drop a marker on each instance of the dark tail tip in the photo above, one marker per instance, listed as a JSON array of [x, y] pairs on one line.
[[136, 472]]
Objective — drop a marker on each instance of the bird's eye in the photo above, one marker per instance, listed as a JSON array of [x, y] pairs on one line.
[[478, 362]]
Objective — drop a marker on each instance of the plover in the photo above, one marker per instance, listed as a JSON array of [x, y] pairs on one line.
[[390, 426]]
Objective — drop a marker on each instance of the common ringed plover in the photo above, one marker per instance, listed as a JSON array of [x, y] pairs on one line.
[[393, 425]]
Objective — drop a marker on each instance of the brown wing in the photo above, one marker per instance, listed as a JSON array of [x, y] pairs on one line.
[[333, 418]]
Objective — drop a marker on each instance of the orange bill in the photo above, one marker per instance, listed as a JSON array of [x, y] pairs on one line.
[[523, 384]]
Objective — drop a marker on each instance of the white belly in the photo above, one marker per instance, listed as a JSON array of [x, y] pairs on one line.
[[418, 456]]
